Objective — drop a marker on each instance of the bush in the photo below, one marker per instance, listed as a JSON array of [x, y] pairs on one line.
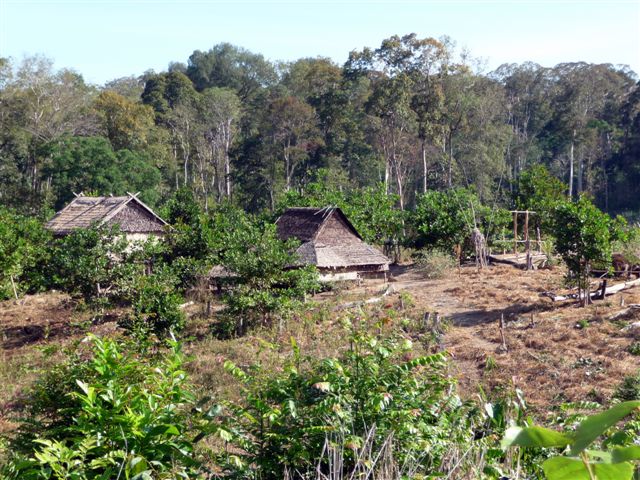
[[583, 238], [374, 396], [122, 417], [88, 263], [445, 219], [268, 283], [434, 263], [155, 305], [629, 388], [23, 248], [634, 348]]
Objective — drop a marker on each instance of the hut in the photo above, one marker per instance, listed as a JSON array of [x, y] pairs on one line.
[[135, 220], [331, 243]]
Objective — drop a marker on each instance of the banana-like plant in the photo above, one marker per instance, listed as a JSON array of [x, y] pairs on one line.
[[578, 461]]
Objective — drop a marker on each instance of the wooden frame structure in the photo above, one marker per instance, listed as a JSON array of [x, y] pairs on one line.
[[525, 238]]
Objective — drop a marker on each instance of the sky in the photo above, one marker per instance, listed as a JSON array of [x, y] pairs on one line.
[[108, 39]]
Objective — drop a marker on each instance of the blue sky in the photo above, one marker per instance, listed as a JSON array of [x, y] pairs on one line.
[[106, 39]]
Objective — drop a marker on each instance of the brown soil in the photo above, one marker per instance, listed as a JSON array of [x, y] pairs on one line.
[[556, 351]]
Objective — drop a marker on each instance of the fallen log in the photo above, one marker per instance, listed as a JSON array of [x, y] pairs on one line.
[[600, 293], [625, 312]]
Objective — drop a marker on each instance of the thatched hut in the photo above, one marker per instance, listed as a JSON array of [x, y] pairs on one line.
[[331, 243], [135, 219]]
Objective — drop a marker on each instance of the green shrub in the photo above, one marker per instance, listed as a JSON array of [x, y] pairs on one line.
[[89, 262], [373, 396], [583, 238], [590, 451], [445, 219], [634, 348], [629, 388], [118, 416], [434, 263], [266, 286], [23, 248], [155, 305]]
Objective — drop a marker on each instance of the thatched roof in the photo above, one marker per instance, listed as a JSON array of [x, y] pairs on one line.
[[131, 214], [329, 240], [305, 223]]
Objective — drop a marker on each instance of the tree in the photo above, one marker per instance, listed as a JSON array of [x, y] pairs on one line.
[[446, 219], [127, 124], [294, 131], [540, 192], [23, 245], [219, 110], [89, 164], [228, 66], [269, 279], [583, 237]]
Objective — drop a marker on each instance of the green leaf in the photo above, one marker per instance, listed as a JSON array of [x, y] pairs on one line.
[[566, 468], [625, 454], [595, 425], [137, 465], [534, 437]]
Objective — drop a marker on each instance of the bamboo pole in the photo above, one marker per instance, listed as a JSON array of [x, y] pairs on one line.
[[515, 233]]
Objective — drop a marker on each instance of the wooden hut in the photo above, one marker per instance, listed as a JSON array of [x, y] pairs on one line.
[[331, 243], [135, 220]]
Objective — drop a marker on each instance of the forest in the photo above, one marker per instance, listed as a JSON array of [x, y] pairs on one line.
[[412, 115], [210, 352]]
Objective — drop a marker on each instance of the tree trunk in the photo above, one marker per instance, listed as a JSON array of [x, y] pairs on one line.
[[424, 167], [571, 169], [450, 173]]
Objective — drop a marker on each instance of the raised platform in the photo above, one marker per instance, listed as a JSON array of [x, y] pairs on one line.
[[519, 260]]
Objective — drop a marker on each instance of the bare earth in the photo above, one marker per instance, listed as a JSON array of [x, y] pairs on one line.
[[556, 351]]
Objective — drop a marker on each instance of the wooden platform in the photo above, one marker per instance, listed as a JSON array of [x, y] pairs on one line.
[[519, 260]]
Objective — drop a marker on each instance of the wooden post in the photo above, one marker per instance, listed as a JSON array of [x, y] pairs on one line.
[[504, 341], [603, 289], [13, 284], [527, 245], [539, 240], [515, 232]]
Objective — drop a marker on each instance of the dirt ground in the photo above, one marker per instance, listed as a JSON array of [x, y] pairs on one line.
[[556, 352]]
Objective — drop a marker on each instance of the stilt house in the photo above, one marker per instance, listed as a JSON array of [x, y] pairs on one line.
[[331, 243], [135, 220]]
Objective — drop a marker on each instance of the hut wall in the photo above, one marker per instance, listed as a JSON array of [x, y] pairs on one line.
[[135, 219], [332, 275], [336, 232]]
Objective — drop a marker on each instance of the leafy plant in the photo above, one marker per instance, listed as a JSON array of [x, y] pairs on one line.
[[269, 282], [580, 461], [23, 247], [374, 394], [118, 416], [88, 262], [634, 348], [583, 236], [629, 388], [155, 305]]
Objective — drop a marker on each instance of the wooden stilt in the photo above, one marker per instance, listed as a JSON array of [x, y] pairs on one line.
[[515, 233]]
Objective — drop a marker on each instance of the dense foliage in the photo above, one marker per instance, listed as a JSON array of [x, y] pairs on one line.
[[411, 115], [593, 449], [583, 237], [113, 415]]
